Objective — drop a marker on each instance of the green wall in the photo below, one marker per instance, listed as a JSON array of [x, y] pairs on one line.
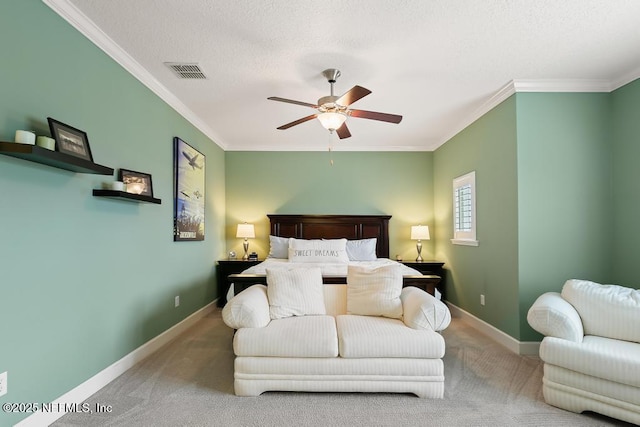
[[564, 193], [87, 280], [625, 107], [544, 196], [393, 183], [488, 146]]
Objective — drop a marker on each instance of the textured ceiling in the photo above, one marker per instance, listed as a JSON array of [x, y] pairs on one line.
[[436, 62]]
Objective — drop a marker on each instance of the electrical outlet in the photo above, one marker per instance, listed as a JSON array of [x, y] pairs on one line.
[[3, 384], [177, 301], [481, 299]]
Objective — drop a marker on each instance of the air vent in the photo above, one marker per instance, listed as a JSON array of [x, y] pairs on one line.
[[186, 71]]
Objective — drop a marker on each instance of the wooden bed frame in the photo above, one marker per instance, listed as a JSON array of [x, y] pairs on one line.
[[334, 227]]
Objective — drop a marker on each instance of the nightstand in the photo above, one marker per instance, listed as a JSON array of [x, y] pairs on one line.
[[225, 268], [429, 268]]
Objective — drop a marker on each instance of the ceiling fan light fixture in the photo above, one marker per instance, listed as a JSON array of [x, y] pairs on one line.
[[332, 120]]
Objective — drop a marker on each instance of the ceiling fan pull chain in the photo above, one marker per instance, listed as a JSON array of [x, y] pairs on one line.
[[331, 148]]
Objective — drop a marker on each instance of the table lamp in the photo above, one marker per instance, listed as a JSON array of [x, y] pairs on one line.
[[419, 233], [246, 231]]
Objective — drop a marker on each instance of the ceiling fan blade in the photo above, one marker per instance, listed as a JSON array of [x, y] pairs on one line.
[[297, 122], [291, 101], [343, 131], [383, 117], [356, 93]]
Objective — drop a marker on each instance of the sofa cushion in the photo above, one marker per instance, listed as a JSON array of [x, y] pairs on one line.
[[295, 292], [306, 336], [367, 336], [599, 357], [606, 310], [374, 291]]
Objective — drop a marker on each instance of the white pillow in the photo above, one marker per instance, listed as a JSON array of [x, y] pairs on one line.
[[248, 309], [423, 311], [362, 250], [331, 251], [278, 247], [552, 316], [374, 291], [610, 311], [295, 292]]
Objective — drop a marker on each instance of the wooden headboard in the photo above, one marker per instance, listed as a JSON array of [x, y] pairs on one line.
[[351, 227]]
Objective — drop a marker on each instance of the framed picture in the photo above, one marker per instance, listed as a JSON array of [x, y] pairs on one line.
[[188, 194], [70, 140], [137, 182]]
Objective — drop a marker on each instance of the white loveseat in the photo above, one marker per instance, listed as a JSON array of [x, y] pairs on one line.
[[591, 348], [335, 351]]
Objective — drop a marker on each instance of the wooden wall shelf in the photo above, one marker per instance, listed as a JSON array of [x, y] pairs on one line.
[[37, 154], [123, 195]]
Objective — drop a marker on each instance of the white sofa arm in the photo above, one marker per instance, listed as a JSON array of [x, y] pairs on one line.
[[553, 316], [422, 310], [248, 309]]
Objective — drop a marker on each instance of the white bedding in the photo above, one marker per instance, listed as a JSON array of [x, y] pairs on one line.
[[326, 268]]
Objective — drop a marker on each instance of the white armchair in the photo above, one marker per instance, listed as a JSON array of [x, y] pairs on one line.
[[591, 348]]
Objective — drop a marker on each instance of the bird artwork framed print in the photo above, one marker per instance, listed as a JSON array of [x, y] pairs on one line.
[[189, 192]]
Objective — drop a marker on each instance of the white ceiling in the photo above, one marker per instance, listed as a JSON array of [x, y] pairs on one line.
[[439, 63]]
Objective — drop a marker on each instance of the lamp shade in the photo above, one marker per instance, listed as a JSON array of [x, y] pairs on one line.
[[331, 120], [246, 231], [420, 232]]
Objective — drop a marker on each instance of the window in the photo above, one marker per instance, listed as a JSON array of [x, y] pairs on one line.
[[464, 210]]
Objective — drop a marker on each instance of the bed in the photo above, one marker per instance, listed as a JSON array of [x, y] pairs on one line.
[[354, 228]]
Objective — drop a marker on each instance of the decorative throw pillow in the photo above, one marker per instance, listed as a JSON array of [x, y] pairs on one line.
[[331, 251], [374, 291], [423, 311], [362, 250], [295, 292], [278, 247]]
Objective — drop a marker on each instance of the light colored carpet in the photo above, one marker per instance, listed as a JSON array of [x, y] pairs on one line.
[[189, 382]]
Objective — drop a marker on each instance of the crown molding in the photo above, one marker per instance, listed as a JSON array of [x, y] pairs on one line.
[[558, 85], [78, 20], [339, 148], [625, 79], [502, 94]]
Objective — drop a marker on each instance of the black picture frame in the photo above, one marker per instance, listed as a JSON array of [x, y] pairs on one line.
[[130, 177], [70, 140], [188, 192]]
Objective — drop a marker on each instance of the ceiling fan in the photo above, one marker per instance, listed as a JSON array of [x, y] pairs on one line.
[[332, 111]]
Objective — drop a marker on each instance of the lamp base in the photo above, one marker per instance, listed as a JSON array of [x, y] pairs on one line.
[[245, 244], [419, 249]]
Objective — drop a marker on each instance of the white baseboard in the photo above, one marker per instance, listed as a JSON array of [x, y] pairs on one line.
[[525, 348], [110, 373]]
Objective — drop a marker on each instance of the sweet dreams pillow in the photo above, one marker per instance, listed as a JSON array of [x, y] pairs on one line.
[[329, 251]]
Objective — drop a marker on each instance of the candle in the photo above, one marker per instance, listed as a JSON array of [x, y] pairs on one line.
[[25, 137], [46, 142]]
